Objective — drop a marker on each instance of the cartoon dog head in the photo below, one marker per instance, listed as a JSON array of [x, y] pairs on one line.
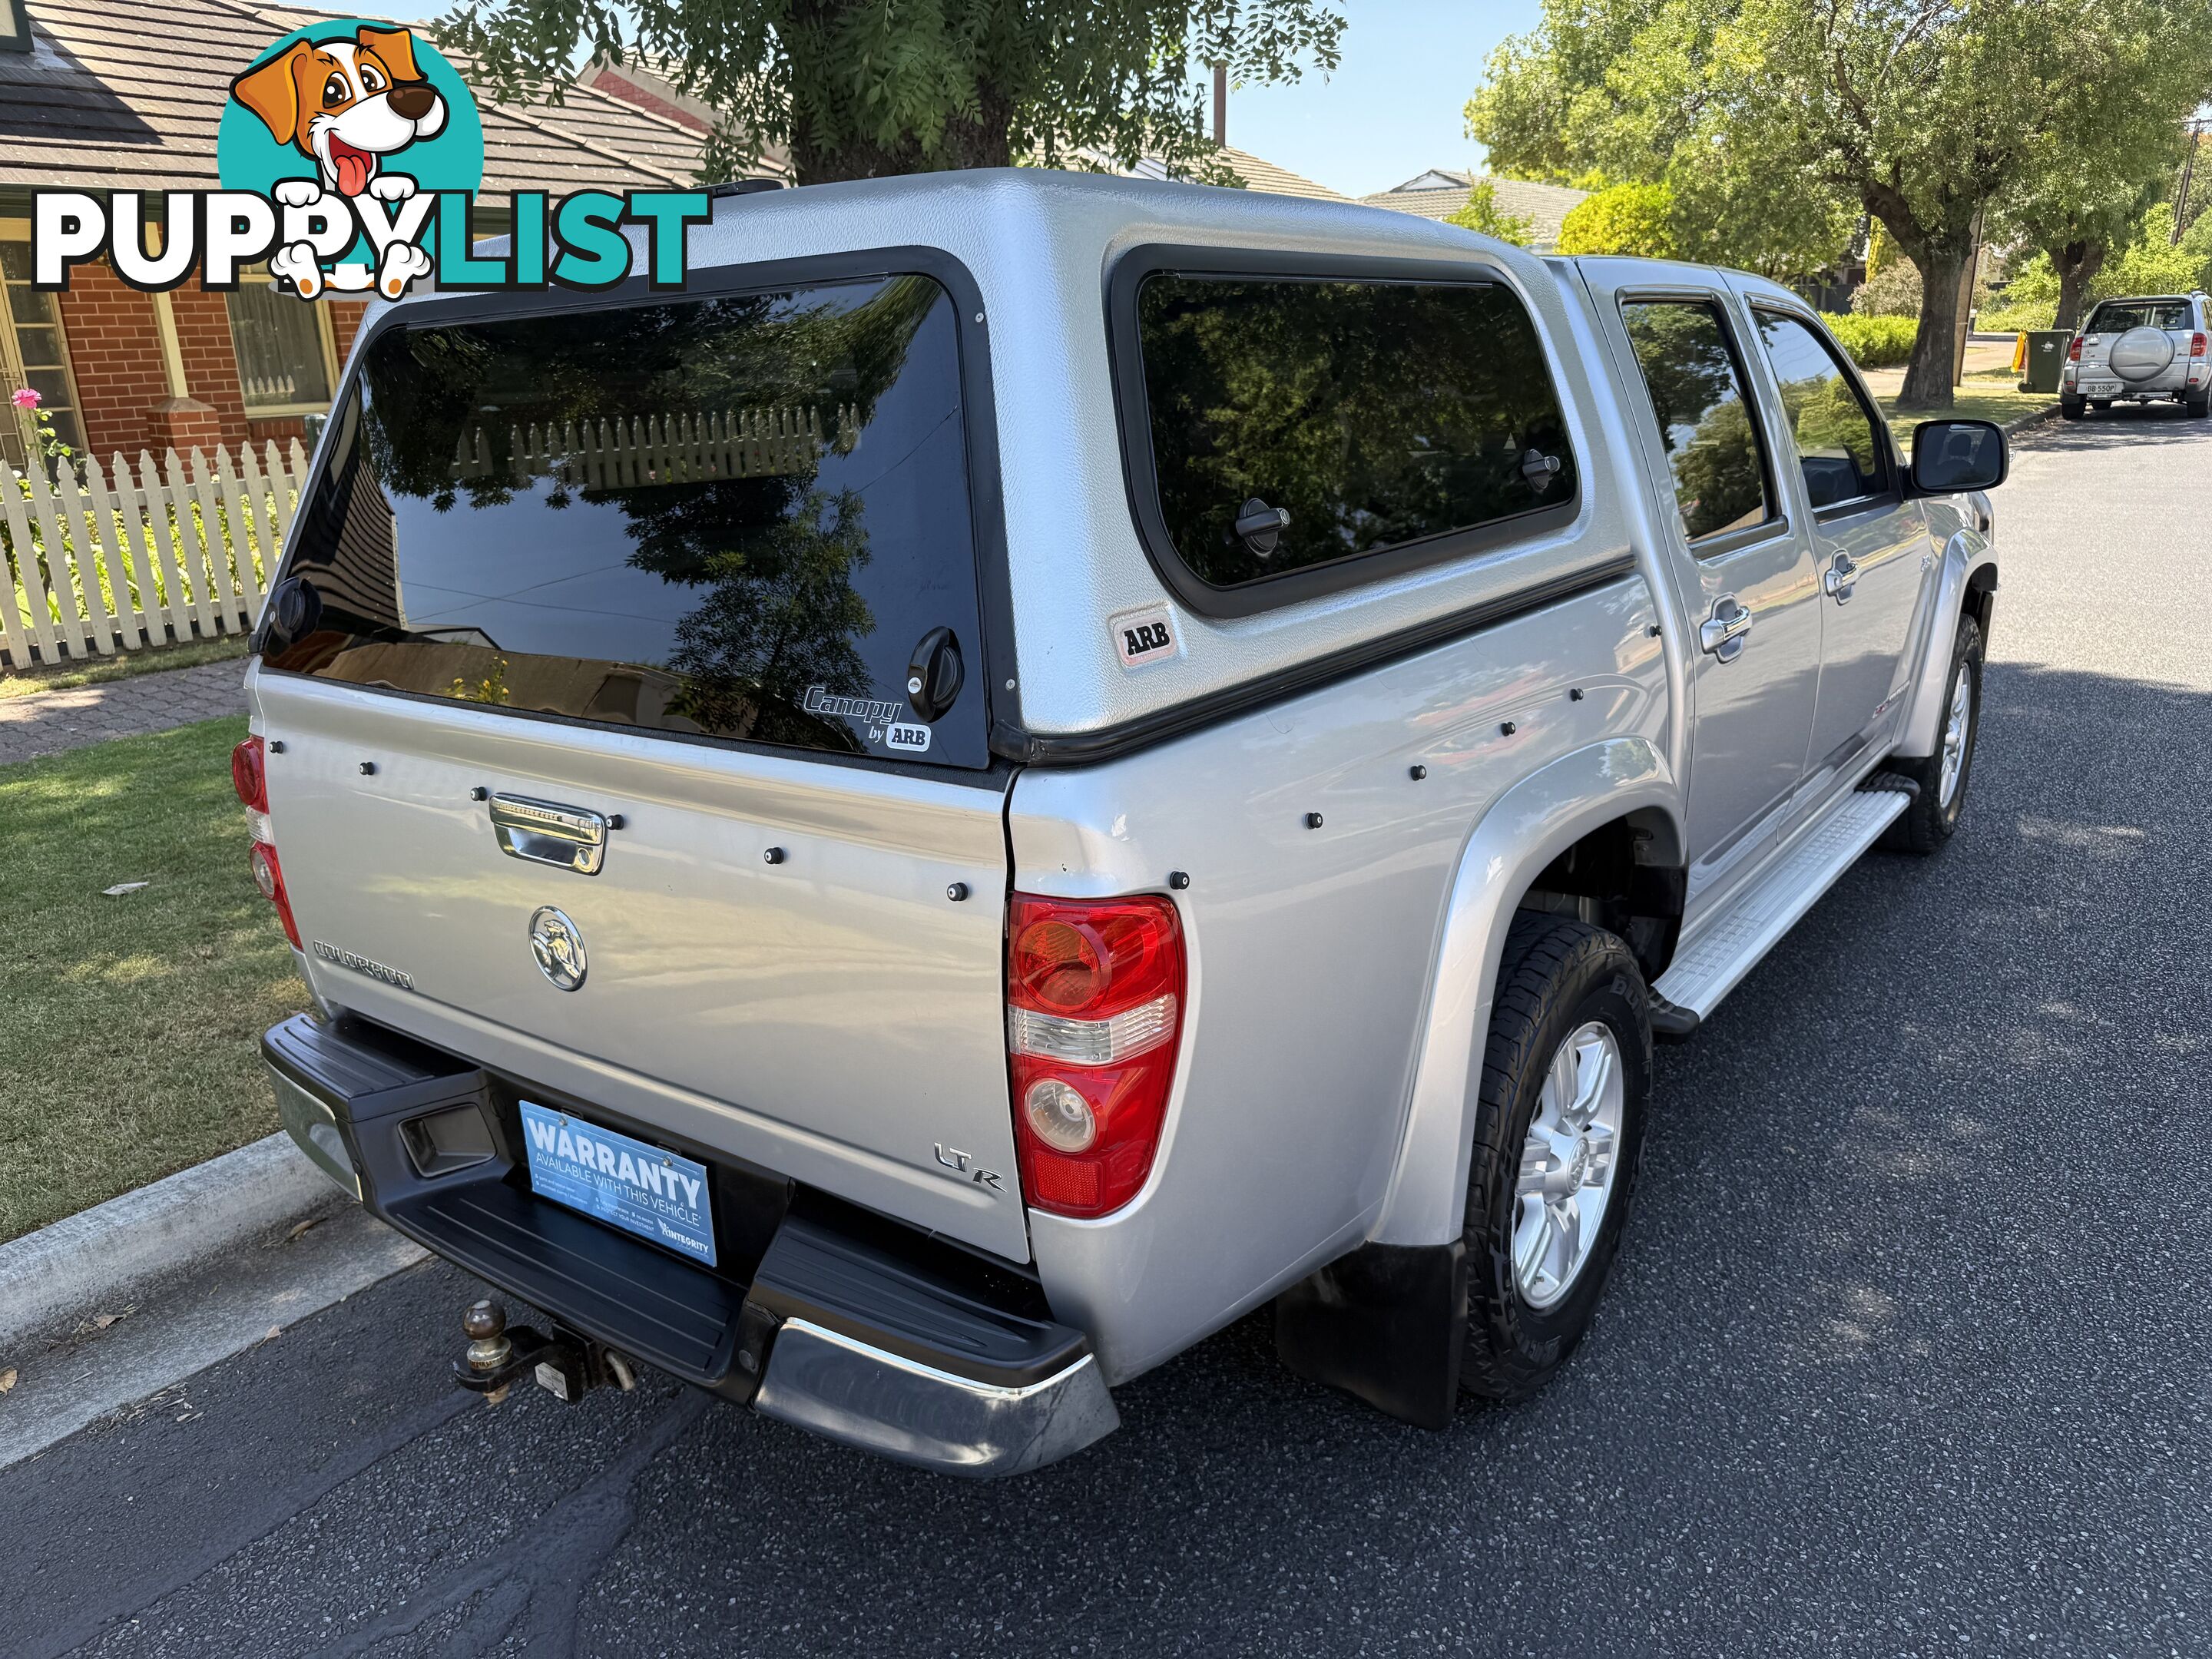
[[344, 103]]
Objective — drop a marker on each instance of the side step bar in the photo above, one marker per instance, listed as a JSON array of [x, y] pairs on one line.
[[1715, 962]]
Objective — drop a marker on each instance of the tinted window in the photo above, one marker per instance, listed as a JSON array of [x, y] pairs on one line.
[[733, 516], [1839, 440], [1697, 395], [1375, 414], [2118, 316]]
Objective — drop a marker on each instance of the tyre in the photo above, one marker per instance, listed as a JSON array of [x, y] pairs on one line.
[[2100, 404], [1559, 1141], [2198, 403], [2071, 408], [1926, 824]]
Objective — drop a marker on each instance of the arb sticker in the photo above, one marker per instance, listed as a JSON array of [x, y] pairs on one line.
[[904, 734], [1144, 637]]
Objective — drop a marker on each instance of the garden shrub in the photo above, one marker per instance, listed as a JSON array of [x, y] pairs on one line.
[[1635, 219], [1873, 342]]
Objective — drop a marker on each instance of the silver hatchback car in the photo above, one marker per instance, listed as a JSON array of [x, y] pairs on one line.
[[2140, 350]]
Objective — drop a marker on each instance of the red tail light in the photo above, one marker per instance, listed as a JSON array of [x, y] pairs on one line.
[[1094, 1021], [2073, 351], [269, 875], [249, 776], [2196, 345]]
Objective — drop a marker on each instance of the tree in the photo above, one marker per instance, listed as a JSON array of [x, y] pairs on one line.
[[1482, 216], [1606, 91], [2084, 204], [2148, 262], [864, 88], [1920, 113], [1635, 219]]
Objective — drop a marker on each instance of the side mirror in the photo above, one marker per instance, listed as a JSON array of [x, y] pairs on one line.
[[1949, 456]]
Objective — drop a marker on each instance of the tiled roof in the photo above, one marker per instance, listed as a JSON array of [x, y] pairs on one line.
[[1543, 205], [127, 95], [1255, 174], [1276, 182]]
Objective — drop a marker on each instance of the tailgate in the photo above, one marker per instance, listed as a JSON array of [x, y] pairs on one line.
[[694, 579]]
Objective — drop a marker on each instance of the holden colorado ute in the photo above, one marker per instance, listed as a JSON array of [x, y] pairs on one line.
[[1031, 762]]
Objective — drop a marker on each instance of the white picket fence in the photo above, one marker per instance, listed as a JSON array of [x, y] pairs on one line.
[[694, 445], [117, 558]]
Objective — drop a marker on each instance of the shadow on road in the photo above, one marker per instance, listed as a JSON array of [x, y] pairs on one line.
[[2135, 423]]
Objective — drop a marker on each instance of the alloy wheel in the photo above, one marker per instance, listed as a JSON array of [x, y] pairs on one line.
[[1568, 1164], [1956, 725]]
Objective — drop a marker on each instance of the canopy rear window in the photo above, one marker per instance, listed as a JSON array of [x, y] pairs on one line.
[[735, 517]]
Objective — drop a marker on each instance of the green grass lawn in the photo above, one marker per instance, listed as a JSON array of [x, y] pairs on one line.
[[1980, 398], [96, 671], [129, 1026]]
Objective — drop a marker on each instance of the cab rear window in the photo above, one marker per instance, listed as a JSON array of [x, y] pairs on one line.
[[735, 517], [1296, 424]]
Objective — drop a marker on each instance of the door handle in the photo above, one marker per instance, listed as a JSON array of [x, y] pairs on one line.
[[1723, 634], [545, 832], [1838, 579]]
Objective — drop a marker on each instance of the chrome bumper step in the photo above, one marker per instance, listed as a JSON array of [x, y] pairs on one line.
[[820, 1315]]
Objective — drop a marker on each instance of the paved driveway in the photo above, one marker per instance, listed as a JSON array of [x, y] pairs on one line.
[[1907, 1353], [53, 721]]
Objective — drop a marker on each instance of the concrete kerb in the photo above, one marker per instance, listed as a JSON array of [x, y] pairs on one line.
[[91, 1261], [2022, 422]]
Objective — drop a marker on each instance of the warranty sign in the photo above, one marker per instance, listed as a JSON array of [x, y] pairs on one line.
[[625, 1182]]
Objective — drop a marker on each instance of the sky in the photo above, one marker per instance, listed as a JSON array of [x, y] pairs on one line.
[[1392, 108]]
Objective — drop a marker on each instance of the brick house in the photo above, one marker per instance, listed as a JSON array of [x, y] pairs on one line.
[[127, 95]]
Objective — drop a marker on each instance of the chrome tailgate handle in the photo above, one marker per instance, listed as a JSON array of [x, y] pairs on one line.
[[546, 832]]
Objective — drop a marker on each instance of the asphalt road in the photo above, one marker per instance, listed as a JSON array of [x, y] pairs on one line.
[[1906, 1352]]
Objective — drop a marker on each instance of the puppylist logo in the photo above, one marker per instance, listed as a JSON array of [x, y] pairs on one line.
[[352, 156]]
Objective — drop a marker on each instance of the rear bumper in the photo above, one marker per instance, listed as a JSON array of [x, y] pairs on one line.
[[818, 1315], [2188, 375]]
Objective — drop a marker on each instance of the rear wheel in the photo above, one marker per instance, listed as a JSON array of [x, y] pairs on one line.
[[1559, 1139], [1942, 776], [2101, 403], [2071, 408], [2198, 403]]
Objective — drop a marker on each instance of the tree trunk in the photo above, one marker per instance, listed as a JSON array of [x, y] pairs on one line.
[[1943, 267], [2077, 264], [978, 142]]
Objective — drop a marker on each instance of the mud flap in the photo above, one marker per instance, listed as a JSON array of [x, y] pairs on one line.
[[1387, 1324]]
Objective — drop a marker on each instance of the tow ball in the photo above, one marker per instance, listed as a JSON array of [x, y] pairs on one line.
[[565, 1365]]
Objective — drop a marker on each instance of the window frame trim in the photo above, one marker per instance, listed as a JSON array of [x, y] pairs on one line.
[[1890, 491], [325, 337], [1140, 473], [11, 352], [1714, 543], [1005, 739]]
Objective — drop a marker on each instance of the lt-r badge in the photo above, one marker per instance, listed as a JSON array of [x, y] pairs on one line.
[[1142, 638], [956, 1161]]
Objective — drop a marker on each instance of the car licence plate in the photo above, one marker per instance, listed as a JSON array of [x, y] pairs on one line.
[[2101, 388], [623, 1181]]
